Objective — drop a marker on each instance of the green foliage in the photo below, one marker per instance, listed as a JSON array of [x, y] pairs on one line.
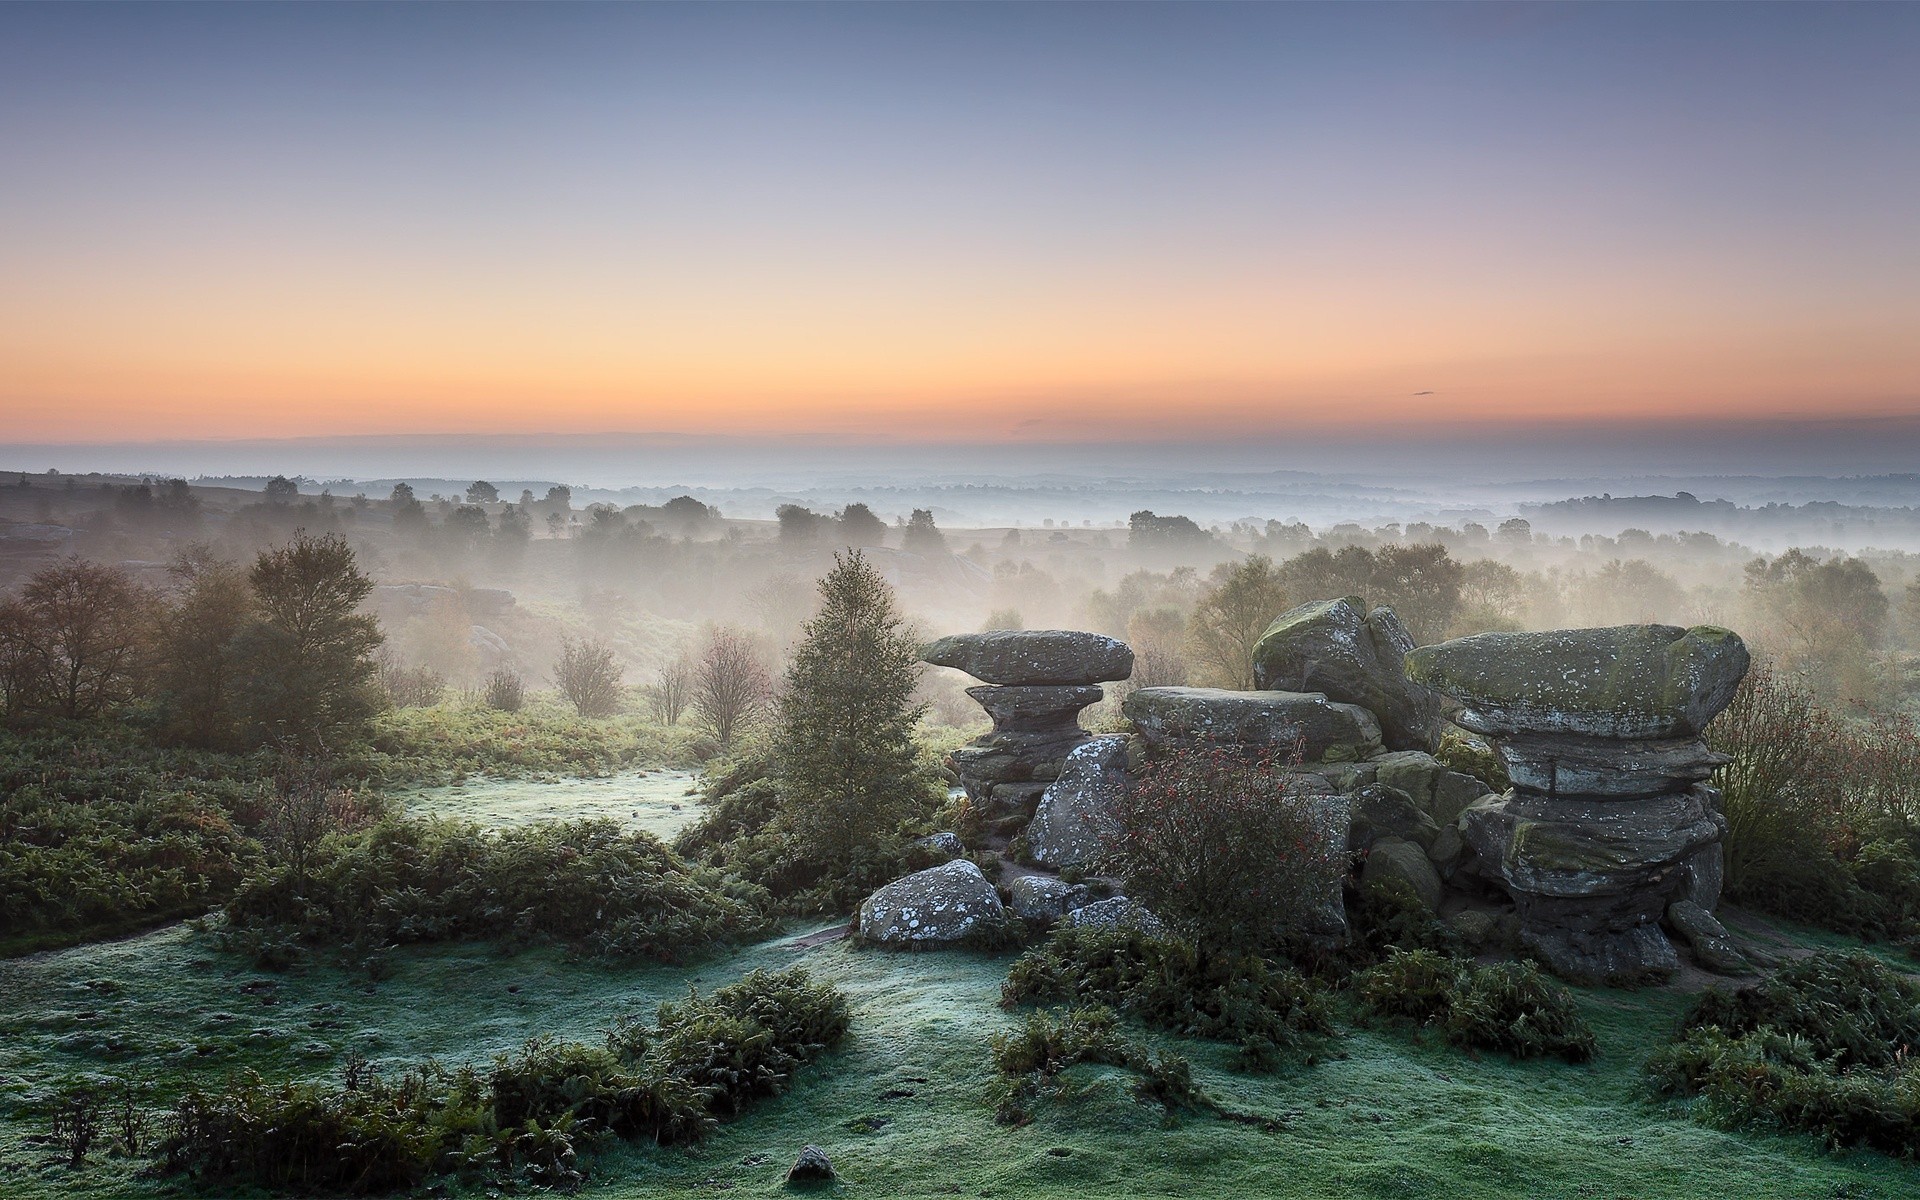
[[848, 771], [1821, 1046], [586, 884], [1031, 1059], [1475, 756], [525, 1116], [1229, 618], [429, 745], [1390, 916], [306, 665], [1511, 1007], [1264, 1009], [1219, 843]]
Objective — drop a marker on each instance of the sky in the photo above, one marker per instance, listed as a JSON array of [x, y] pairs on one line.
[[1046, 224]]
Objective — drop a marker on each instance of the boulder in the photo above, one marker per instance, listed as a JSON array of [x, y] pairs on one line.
[[1396, 861], [945, 842], [1476, 927], [1627, 681], [1043, 899], [1026, 657], [1321, 728], [1712, 945], [941, 904], [1118, 913], [1330, 646], [1033, 709], [1380, 811], [812, 1167], [1439, 791], [1075, 817]]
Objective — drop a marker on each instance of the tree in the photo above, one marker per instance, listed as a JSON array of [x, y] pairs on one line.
[[482, 492], [799, 526], [309, 668], [589, 677], [281, 490], [1158, 638], [1492, 596], [670, 691], [859, 527], [730, 685], [844, 750], [196, 652], [1825, 621], [922, 537], [1422, 586], [408, 513], [1148, 532], [1230, 617], [76, 635]]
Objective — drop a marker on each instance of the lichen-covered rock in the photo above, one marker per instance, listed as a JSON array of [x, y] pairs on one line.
[[1030, 709], [1439, 791], [941, 904], [1330, 646], [945, 842], [1627, 681], [1713, 946], [1394, 861], [1380, 811], [1119, 912], [1026, 657], [1321, 728], [812, 1167], [1042, 898], [1075, 819], [1474, 926]]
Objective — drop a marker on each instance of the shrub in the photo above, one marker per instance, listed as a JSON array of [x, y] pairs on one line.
[[587, 884], [588, 677], [1511, 1007], [520, 1118], [1031, 1059], [412, 687], [1821, 1046], [504, 691], [1219, 844], [1262, 1008]]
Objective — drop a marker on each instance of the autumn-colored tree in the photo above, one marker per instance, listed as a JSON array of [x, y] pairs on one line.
[[73, 639], [1230, 617]]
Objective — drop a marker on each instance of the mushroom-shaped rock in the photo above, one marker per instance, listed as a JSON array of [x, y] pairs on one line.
[[1321, 728], [1075, 818], [1034, 657], [1354, 657], [1626, 681], [938, 905]]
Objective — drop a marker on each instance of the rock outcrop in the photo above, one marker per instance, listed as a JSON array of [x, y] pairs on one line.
[[1322, 729], [939, 905], [1043, 899], [1332, 647], [1041, 680], [1119, 912], [1075, 818], [1609, 819]]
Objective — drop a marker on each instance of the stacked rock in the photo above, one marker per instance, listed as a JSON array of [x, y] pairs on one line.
[[1039, 681], [1337, 648], [1610, 820]]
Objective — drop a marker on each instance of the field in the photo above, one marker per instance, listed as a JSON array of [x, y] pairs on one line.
[[900, 1109]]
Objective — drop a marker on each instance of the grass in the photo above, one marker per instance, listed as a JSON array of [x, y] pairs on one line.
[[902, 1109]]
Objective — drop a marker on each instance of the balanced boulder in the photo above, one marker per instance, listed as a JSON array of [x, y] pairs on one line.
[[1331, 646], [941, 904], [1028, 657]]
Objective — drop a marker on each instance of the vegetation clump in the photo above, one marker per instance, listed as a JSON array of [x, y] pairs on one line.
[[524, 1118], [1510, 1007], [586, 884], [1030, 1061], [1266, 1010], [1821, 1046]]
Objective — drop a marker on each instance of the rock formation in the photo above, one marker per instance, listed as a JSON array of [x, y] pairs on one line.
[[939, 905], [1331, 646], [1041, 679], [1321, 729], [1075, 817], [1609, 819]]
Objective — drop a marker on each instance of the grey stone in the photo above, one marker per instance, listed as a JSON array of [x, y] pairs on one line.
[[1075, 818], [1447, 850], [1042, 898], [812, 1167], [1476, 927], [1395, 861], [1345, 776], [1439, 791], [938, 905], [945, 842], [1029, 709], [1118, 912], [1380, 811], [1626, 681], [1320, 728], [1703, 875], [1594, 766], [1330, 646], [1712, 945], [1021, 657]]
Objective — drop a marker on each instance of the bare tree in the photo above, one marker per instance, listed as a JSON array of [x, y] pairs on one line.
[[588, 677], [304, 807], [74, 637], [731, 685], [671, 691], [1229, 619]]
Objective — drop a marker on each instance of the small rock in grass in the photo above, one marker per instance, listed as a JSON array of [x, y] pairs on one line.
[[811, 1167]]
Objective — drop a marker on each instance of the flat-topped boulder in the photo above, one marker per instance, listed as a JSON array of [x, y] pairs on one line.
[[1320, 727], [1353, 657], [1626, 681], [1033, 657], [938, 905]]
